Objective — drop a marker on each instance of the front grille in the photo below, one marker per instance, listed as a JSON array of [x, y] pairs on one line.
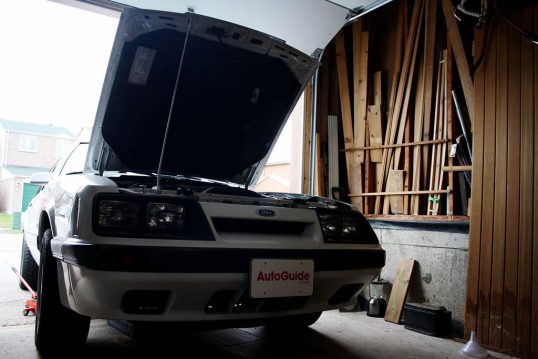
[[237, 225], [229, 301]]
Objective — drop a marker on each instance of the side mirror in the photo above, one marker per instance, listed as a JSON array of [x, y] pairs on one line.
[[41, 178]]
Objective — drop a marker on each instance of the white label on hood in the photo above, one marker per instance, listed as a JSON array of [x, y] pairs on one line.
[[143, 60]]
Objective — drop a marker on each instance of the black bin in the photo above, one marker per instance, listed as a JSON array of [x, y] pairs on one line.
[[427, 319]]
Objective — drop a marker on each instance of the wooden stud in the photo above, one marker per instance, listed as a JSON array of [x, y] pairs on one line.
[[418, 125], [499, 215], [450, 130], [464, 69], [399, 291], [353, 171], [396, 145], [407, 164], [534, 314], [360, 86], [398, 193], [524, 293], [307, 131], [457, 168], [333, 175], [475, 230], [376, 139], [488, 189]]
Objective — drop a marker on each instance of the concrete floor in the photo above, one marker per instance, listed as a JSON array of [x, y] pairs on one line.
[[335, 335]]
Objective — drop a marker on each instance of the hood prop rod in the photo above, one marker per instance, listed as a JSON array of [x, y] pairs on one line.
[[173, 101]]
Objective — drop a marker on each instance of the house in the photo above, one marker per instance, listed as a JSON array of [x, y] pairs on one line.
[[26, 148]]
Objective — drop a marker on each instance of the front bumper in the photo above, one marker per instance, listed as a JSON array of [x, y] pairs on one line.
[[202, 284]]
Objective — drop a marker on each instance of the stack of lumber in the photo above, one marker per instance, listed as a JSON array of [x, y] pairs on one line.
[[396, 153]]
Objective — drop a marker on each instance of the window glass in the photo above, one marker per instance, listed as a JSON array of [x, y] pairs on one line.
[[75, 162], [28, 143]]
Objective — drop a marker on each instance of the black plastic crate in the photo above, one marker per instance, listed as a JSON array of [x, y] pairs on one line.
[[427, 319]]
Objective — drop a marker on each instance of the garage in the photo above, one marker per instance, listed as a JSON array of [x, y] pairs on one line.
[[420, 115]]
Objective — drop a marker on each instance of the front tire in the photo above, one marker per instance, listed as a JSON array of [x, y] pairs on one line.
[[56, 327], [28, 267]]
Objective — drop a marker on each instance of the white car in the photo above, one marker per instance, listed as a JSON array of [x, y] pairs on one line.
[[152, 220]]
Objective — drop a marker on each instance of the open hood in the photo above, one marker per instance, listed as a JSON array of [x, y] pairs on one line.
[[235, 90]]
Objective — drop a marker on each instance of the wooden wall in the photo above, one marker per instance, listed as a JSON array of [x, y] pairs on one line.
[[502, 284]]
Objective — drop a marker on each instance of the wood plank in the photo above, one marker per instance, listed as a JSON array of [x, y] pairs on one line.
[[368, 171], [378, 94], [499, 215], [427, 97], [512, 192], [360, 85], [534, 314], [376, 139], [400, 287], [488, 188], [417, 218], [450, 130], [464, 69], [395, 110], [475, 229], [399, 193], [418, 125], [307, 132], [396, 184], [407, 165], [319, 169], [333, 153], [408, 144], [401, 109], [457, 168], [524, 295], [353, 173]]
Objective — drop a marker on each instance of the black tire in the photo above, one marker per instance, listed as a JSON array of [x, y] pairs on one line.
[[28, 267], [56, 327]]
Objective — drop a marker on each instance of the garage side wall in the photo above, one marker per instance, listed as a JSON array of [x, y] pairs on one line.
[[502, 288], [440, 251]]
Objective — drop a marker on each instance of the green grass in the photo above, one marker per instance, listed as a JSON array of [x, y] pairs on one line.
[[6, 223], [5, 220]]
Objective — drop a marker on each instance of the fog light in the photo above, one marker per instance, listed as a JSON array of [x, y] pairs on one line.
[[165, 215]]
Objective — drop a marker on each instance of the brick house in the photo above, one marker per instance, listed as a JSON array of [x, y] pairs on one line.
[[26, 148]]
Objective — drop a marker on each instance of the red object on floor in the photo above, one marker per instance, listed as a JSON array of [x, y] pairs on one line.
[[31, 304]]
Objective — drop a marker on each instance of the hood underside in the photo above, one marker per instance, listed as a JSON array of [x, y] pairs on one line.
[[235, 89]]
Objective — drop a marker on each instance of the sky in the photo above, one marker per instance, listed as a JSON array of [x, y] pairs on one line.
[[53, 59]]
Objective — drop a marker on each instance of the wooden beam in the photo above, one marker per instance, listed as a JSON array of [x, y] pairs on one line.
[[396, 184], [376, 139], [353, 172], [360, 86], [450, 129], [475, 229], [398, 193], [526, 181], [395, 217], [334, 177], [464, 69], [509, 324], [396, 145], [501, 164], [307, 131], [457, 168]]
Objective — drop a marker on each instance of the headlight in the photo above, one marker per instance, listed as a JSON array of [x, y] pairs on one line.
[[117, 214], [330, 224], [343, 227], [165, 215], [349, 226]]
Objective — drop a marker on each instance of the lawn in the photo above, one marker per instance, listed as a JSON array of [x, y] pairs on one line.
[[5, 220], [6, 223]]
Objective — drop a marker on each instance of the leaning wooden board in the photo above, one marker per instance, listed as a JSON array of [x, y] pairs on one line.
[[399, 290]]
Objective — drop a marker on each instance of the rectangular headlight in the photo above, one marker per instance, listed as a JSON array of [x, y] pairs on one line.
[[330, 224], [117, 214], [165, 215], [349, 226]]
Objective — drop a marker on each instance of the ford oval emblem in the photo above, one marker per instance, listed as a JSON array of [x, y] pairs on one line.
[[265, 212]]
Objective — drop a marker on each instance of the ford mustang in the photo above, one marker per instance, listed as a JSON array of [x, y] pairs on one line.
[[153, 220]]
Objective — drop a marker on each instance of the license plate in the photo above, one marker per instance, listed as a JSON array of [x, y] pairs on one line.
[[271, 278]]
